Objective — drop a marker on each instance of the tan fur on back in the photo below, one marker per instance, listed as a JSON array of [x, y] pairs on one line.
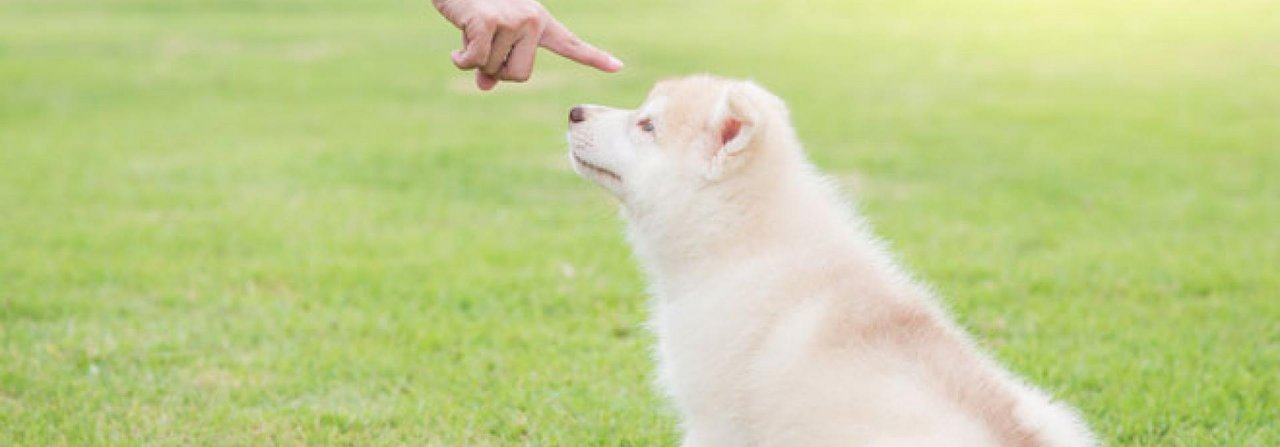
[[781, 320]]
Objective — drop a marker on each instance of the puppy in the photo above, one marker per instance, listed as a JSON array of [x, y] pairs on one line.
[[781, 320]]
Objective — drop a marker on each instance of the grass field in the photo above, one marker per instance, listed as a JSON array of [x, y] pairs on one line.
[[259, 222]]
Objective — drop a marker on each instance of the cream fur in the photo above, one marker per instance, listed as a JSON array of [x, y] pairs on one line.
[[781, 320]]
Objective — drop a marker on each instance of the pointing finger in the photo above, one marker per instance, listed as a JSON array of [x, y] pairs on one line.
[[561, 41]]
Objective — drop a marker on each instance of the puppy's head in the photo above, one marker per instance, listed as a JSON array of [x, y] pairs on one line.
[[689, 133]]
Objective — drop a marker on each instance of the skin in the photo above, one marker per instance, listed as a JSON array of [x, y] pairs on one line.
[[501, 38]]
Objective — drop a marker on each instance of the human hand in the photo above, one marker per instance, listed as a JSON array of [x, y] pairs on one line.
[[501, 37]]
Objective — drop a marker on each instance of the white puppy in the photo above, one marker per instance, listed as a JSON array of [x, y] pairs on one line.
[[781, 320]]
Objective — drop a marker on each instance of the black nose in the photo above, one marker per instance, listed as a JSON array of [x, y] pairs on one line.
[[577, 115]]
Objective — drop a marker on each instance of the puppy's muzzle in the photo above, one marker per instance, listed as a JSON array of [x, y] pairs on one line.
[[577, 114]]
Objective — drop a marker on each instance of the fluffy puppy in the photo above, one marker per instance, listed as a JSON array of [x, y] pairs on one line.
[[781, 320]]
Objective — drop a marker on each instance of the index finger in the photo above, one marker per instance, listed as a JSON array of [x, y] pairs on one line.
[[561, 41]]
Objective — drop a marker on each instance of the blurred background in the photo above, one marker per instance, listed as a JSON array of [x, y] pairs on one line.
[[246, 222]]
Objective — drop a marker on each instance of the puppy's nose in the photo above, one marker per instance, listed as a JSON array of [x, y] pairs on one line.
[[577, 114]]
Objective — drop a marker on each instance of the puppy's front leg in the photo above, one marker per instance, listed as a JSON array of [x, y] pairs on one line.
[[691, 439], [714, 436]]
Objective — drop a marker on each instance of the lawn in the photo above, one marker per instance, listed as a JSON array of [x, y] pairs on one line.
[[263, 222]]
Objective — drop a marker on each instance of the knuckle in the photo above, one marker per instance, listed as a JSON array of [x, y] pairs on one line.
[[511, 21], [518, 76], [532, 18]]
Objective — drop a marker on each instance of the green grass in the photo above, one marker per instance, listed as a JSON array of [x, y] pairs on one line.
[[259, 222]]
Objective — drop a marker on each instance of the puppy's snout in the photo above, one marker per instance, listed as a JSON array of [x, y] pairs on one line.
[[577, 114]]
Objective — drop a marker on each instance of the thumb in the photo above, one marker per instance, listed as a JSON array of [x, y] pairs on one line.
[[561, 41]]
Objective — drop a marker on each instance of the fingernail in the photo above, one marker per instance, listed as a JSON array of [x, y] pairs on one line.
[[615, 62]]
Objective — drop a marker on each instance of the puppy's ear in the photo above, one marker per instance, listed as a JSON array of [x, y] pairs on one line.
[[735, 123]]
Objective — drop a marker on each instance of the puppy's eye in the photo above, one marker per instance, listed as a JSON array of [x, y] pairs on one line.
[[646, 125]]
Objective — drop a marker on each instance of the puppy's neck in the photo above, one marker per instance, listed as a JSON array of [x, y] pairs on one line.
[[783, 209]]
